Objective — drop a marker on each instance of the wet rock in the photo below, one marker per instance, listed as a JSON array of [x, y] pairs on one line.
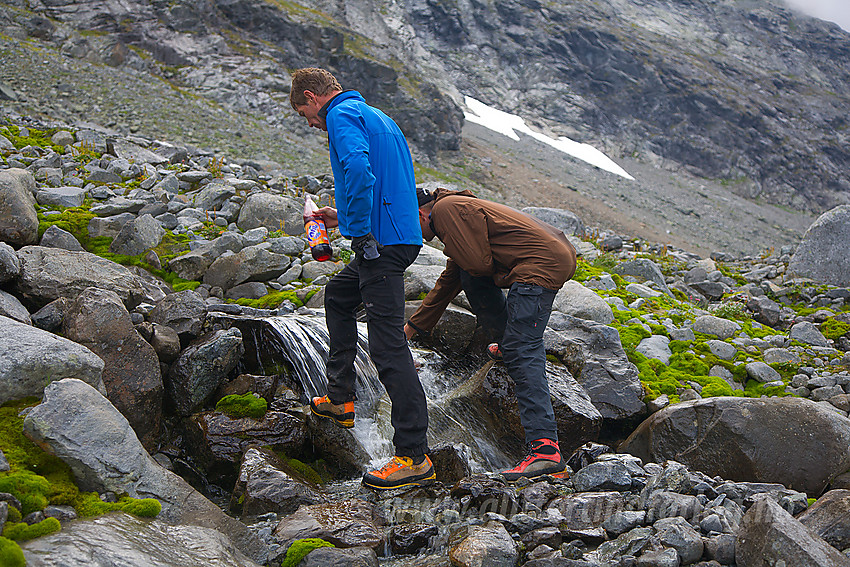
[[606, 374], [450, 463], [575, 300], [489, 545], [30, 359], [481, 494], [793, 441], [138, 235], [98, 320], [183, 311], [821, 254], [83, 429], [202, 368], [339, 446], [829, 518], [263, 486], [407, 539], [55, 237], [50, 273], [770, 535], [453, 333], [349, 523], [18, 219], [334, 557], [121, 539]]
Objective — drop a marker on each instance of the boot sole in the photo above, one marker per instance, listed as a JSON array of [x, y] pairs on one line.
[[564, 474], [427, 481], [344, 423]]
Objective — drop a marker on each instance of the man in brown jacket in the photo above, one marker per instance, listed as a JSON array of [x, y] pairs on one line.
[[491, 247]]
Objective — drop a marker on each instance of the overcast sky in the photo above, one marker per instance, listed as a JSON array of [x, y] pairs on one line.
[[837, 11]]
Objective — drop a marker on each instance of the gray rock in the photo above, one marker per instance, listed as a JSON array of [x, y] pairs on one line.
[[110, 225], [287, 245], [641, 290], [602, 476], [118, 205], [313, 270], [658, 558], [202, 367], [345, 523], [335, 557], [55, 237], [645, 269], [138, 235], [4, 465], [712, 290], [489, 545], [623, 521], [678, 534], [18, 219], [10, 266], [793, 441], [656, 346], [761, 372], [807, 333], [99, 321], [12, 308], [780, 356], [49, 318], [249, 290], [254, 263], [822, 254], [273, 212], [30, 359], [420, 279], [722, 349], [61, 196], [711, 325], [829, 518], [606, 373], [83, 429], [121, 539], [166, 342], [587, 510], [771, 536], [577, 301], [721, 548], [212, 196], [766, 310], [183, 311], [632, 543], [665, 504], [264, 487], [50, 273], [561, 219]]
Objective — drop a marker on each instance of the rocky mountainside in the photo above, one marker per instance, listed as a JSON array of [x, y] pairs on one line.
[[747, 93]]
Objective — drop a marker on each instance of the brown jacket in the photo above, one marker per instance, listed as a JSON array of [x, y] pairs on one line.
[[489, 239]]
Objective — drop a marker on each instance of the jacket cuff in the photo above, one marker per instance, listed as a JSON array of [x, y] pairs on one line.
[[417, 328]]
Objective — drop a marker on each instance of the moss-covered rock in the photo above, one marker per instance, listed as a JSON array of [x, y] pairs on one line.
[[11, 554], [247, 405], [300, 548]]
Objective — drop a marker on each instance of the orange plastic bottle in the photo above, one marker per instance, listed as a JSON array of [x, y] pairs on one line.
[[317, 234]]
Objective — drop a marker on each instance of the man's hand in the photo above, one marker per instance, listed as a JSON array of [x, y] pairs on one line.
[[366, 246], [409, 331], [329, 216]]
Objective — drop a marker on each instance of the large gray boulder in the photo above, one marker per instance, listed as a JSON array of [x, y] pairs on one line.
[[83, 429], [137, 236], [578, 301], [823, 254], [273, 212], [792, 441], [61, 196], [55, 237], [212, 196], [10, 266], [50, 273], [770, 536], [183, 311], [606, 373], [202, 367], [12, 308], [829, 518], [18, 219], [121, 539], [109, 226], [98, 320], [344, 523], [254, 263], [30, 359], [561, 219], [420, 279], [453, 333]]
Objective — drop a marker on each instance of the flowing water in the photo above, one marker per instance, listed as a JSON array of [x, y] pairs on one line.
[[303, 341]]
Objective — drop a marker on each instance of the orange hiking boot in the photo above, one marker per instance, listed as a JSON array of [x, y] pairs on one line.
[[399, 472], [341, 414], [544, 458]]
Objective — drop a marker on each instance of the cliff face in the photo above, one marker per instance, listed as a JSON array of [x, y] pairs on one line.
[[746, 92]]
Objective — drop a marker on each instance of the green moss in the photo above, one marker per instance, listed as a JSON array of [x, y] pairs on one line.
[[39, 138], [22, 531], [14, 515], [688, 363], [144, 507], [632, 335], [757, 332], [834, 329], [271, 300], [74, 220], [305, 471], [246, 405], [11, 554], [29, 488], [300, 548], [717, 387]]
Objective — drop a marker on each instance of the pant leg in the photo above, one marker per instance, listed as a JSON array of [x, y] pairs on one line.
[[382, 290], [342, 298], [524, 355], [487, 302]]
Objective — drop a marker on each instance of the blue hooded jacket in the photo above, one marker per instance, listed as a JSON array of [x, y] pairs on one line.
[[375, 188]]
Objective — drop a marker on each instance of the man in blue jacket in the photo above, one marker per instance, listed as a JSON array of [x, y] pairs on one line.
[[377, 208]]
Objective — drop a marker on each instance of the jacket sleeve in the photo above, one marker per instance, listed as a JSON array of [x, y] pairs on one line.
[[435, 303], [347, 130]]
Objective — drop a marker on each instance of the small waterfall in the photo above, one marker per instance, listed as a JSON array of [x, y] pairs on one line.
[[304, 343]]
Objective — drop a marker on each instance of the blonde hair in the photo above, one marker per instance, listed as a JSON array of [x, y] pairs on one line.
[[313, 79]]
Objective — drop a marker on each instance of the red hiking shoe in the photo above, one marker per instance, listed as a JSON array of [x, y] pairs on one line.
[[544, 458], [341, 414], [494, 351]]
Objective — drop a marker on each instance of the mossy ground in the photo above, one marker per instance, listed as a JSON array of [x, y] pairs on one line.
[[246, 405], [37, 479]]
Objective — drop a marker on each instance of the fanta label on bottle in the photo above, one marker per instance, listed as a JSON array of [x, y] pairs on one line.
[[317, 234]]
